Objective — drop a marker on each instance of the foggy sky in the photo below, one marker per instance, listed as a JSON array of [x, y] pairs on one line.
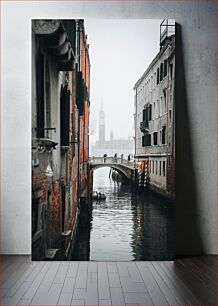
[[120, 51]]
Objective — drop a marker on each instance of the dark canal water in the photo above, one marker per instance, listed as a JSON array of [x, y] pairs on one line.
[[126, 226]]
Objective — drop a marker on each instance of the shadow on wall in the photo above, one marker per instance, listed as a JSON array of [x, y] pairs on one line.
[[188, 232]]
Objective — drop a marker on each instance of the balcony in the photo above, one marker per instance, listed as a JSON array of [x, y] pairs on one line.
[[144, 126]]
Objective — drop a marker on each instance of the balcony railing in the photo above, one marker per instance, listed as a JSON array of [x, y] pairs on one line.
[[144, 126]]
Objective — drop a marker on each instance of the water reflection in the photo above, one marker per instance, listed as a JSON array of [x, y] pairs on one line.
[[154, 229], [126, 226]]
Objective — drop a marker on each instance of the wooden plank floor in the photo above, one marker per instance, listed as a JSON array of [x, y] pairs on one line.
[[187, 281]]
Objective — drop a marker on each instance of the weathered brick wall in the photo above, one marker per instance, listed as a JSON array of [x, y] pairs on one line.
[[40, 187], [56, 212]]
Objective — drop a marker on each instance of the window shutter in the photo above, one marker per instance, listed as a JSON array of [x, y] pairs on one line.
[[80, 93], [165, 68], [65, 116], [158, 75]]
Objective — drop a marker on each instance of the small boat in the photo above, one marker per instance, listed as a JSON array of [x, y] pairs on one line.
[[98, 196]]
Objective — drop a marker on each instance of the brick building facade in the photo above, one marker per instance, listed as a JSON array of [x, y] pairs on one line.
[[60, 146]]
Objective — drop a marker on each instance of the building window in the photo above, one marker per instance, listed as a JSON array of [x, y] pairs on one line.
[[160, 168], [160, 137], [145, 116], [150, 166], [40, 89], [146, 140], [65, 116], [158, 75], [164, 135], [165, 67], [156, 167], [43, 103], [164, 168], [47, 100], [155, 138], [161, 71], [153, 167]]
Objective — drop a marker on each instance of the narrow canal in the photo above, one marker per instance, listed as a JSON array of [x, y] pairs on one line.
[[125, 226]]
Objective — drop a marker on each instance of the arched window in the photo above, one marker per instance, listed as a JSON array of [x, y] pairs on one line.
[[165, 67], [158, 75], [161, 71]]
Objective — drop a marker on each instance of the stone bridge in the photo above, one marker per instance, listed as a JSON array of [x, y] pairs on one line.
[[122, 165]]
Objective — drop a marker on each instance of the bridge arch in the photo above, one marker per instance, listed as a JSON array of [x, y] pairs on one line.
[[121, 170], [121, 165]]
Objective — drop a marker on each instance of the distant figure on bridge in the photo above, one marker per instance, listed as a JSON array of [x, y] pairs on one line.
[[105, 156], [115, 157], [121, 158], [129, 157]]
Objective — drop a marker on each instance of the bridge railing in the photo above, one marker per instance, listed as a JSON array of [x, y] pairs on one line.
[[111, 160]]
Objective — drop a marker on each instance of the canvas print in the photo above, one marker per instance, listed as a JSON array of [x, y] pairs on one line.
[[103, 139]]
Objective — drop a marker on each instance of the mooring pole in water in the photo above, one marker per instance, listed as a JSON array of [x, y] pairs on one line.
[[110, 173]]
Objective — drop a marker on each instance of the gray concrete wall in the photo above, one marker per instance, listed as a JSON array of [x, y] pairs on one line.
[[196, 180]]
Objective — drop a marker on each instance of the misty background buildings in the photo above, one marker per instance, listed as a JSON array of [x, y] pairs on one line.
[[120, 50], [112, 145]]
